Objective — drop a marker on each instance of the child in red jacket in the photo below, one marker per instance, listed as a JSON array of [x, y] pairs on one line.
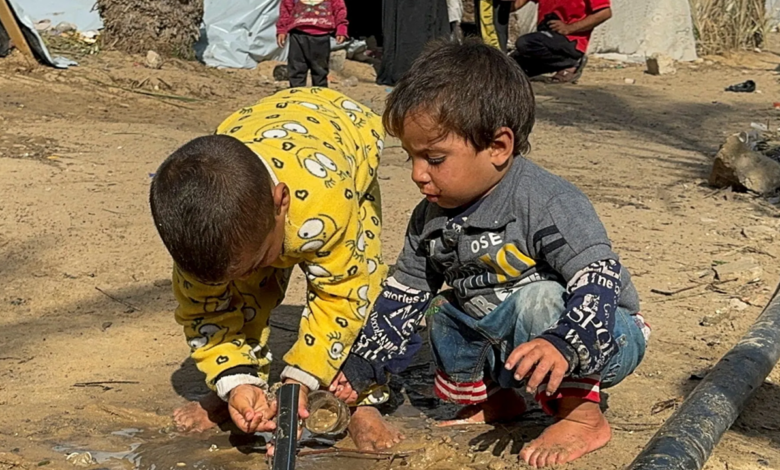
[[309, 25]]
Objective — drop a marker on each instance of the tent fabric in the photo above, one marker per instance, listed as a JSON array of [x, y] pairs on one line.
[[408, 25], [35, 41], [240, 33], [638, 29], [81, 13]]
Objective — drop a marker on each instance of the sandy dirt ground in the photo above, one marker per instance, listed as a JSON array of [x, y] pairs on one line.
[[91, 358]]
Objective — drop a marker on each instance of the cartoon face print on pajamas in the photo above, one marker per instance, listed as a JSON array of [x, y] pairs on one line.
[[358, 247], [364, 302], [205, 333], [355, 112], [320, 111], [284, 131], [320, 166], [336, 349], [218, 304], [314, 233]]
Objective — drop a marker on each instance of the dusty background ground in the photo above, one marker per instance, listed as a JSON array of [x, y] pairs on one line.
[[76, 154]]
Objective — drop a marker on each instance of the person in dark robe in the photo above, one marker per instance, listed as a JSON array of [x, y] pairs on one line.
[[407, 26]]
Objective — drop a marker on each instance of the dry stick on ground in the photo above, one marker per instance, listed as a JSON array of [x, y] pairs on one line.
[[115, 299], [365, 454], [700, 284], [106, 382]]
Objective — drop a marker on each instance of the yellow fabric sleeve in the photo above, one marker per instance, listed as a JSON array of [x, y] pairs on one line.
[[226, 325]]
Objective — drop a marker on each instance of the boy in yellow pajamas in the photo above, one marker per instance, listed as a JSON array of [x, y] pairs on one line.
[[288, 181]]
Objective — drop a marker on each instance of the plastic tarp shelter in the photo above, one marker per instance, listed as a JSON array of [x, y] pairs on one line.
[[235, 33], [27, 24]]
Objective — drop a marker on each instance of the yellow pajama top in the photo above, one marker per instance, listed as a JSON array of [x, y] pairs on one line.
[[326, 148]]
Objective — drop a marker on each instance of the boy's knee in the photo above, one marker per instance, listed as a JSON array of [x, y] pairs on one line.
[[539, 306]]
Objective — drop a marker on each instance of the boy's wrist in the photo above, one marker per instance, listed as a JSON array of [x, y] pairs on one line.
[[566, 349], [301, 376], [227, 384]]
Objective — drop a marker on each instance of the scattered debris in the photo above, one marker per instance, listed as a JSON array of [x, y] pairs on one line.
[[170, 27], [153, 60], [43, 25], [660, 64], [738, 305], [131, 307], [65, 27], [337, 60], [738, 165], [759, 232], [748, 86], [718, 317], [105, 384], [81, 459], [744, 268], [350, 82], [665, 405], [630, 81], [687, 288]]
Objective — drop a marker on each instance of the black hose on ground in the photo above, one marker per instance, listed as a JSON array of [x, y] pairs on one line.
[[687, 438]]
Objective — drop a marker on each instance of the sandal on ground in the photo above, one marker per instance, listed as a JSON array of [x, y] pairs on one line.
[[569, 75]]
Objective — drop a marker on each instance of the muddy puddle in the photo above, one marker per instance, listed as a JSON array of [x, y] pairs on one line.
[[414, 409]]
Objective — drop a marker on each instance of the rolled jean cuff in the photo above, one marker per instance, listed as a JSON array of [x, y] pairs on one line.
[[586, 388]]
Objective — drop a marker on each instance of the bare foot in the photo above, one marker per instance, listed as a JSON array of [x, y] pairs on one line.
[[581, 428], [369, 431], [199, 416], [504, 405]]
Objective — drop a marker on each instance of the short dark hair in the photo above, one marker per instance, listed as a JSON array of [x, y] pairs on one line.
[[471, 89], [211, 199]]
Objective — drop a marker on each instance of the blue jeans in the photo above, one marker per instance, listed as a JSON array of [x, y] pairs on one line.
[[470, 350]]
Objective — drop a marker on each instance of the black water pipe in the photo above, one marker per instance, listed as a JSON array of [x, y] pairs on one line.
[[687, 438], [286, 439]]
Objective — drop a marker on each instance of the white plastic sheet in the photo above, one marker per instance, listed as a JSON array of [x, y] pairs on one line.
[[79, 12], [240, 33], [25, 22]]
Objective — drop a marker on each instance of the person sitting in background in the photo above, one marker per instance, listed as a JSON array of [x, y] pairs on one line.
[[560, 42]]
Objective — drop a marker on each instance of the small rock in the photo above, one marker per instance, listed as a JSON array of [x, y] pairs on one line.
[[181, 464], [630, 81], [350, 82], [213, 448], [698, 61], [81, 459], [337, 60], [660, 64], [745, 268], [163, 283], [738, 305], [736, 164], [496, 465], [763, 462], [65, 27], [153, 60], [280, 73], [712, 320]]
